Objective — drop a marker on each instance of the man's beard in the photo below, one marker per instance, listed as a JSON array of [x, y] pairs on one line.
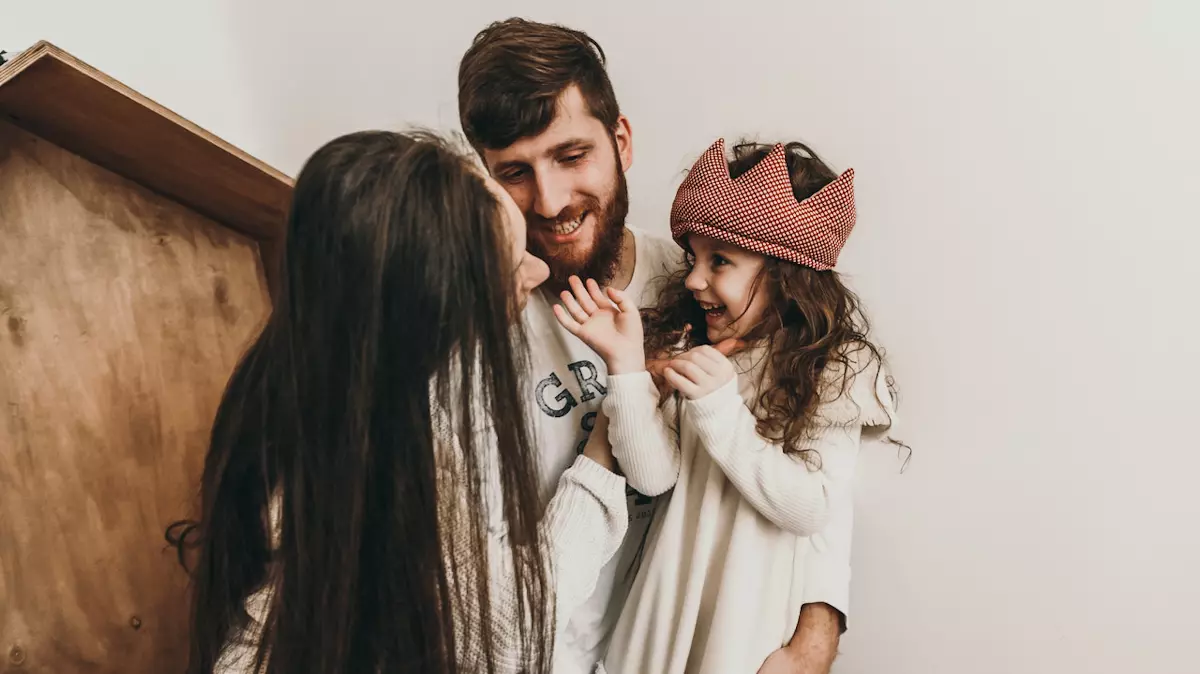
[[607, 242]]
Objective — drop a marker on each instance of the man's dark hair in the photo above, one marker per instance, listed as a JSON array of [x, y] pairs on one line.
[[510, 81]]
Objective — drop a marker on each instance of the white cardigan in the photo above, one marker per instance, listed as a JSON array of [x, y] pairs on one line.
[[582, 527], [723, 578]]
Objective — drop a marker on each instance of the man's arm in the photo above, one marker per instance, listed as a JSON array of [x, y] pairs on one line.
[[813, 647], [818, 633]]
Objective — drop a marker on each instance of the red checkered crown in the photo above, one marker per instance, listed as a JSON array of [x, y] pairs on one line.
[[759, 212]]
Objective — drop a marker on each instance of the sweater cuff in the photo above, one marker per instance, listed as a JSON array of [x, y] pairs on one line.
[[711, 409], [634, 388], [827, 581], [597, 479]]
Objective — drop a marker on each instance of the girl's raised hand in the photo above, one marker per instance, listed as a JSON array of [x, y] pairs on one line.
[[606, 321]]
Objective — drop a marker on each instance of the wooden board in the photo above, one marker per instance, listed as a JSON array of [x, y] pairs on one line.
[[62, 99], [122, 314]]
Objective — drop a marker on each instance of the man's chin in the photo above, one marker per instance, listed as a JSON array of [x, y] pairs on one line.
[[559, 279], [564, 263], [573, 253]]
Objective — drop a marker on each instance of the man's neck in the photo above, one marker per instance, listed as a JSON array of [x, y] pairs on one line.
[[624, 273]]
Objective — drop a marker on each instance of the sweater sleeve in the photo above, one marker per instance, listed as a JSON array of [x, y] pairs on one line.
[[827, 566], [581, 529], [643, 443], [783, 487]]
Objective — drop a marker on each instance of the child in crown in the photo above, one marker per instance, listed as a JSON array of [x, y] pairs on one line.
[[753, 448]]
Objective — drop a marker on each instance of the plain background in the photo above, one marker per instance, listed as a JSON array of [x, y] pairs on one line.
[[1027, 244]]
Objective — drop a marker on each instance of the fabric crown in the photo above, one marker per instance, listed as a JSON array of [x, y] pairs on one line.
[[759, 212]]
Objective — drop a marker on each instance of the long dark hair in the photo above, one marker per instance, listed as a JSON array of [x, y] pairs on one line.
[[396, 296], [814, 324]]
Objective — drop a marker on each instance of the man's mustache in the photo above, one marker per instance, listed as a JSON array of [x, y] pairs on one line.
[[570, 214]]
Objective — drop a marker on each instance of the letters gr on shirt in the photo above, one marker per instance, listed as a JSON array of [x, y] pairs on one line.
[[555, 399]]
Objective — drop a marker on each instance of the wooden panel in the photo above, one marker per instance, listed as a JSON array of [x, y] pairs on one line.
[[122, 314], [56, 96]]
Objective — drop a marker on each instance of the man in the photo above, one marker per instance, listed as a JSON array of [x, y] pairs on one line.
[[536, 103]]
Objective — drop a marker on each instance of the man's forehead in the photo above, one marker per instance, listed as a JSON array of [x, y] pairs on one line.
[[573, 125]]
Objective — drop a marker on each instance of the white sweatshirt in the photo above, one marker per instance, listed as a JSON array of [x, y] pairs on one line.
[[728, 557]]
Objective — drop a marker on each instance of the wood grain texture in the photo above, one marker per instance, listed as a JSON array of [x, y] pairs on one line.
[[122, 314], [62, 99]]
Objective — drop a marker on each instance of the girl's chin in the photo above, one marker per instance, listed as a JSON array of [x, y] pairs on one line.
[[717, 335]]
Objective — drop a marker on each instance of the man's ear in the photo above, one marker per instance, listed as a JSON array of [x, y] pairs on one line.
[[623, 137]]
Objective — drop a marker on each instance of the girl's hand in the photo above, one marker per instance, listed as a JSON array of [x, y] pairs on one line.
[[699, 372], [610, 324], [656, 366]]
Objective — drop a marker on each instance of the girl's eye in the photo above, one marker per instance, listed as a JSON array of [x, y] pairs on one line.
[[719, 261]]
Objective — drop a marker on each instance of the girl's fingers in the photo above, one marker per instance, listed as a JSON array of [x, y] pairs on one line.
[[679, 382], [709, 358], [697, 360], [581, 296], [566, 320], [692, 371], [576, 311], [597, 295], [621, 300]]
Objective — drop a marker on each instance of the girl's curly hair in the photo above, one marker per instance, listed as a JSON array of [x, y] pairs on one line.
[[814, 326]]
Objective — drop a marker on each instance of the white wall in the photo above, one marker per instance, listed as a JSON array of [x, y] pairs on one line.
[[1027, 246]]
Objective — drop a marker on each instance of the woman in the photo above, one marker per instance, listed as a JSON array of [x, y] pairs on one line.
[[353, 471]]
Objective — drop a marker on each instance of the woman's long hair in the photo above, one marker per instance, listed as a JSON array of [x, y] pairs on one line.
[[396, 299]]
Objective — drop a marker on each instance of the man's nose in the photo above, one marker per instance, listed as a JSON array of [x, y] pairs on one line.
[[551, 195]]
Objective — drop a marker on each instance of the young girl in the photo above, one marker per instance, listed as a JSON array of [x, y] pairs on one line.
[[755, 447]]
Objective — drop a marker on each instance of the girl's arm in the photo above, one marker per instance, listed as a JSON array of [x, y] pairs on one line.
[[780, 485], [609, 323], [640, 430]]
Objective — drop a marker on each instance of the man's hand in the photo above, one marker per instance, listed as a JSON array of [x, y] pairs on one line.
[[606, 321], [814, 645], [699, 372]]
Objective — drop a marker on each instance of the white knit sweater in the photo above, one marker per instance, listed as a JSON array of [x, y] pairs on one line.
[[723, 578], [582, 528]]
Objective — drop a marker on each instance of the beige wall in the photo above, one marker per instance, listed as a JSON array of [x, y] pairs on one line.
[[1027, 175]]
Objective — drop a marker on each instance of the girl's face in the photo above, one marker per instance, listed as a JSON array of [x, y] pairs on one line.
[[724, 279], [530, 271]]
